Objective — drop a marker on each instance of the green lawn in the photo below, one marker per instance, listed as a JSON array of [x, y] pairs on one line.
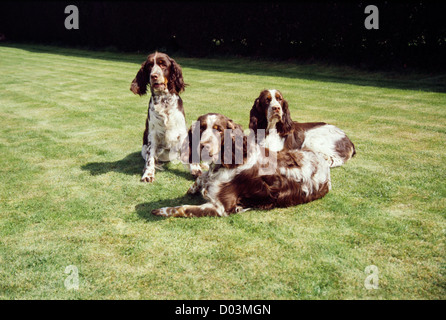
[[70, 164]]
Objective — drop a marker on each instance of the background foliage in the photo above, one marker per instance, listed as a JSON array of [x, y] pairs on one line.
[[411, 34]]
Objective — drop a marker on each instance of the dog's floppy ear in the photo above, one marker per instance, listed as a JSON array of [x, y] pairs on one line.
[[139, 84], [190, 151], [186, 148], [233, 126], [286, 124], [254, 116], [176, 85], [257, 117], [233, 150]]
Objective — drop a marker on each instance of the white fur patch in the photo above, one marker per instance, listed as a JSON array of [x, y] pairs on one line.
[[167, 127], [273, 141], [323, 139], [312, 174], [167, 130]]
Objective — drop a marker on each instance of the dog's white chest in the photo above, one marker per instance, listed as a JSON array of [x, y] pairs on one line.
[[273, 141], [161, 108], [167, 121]]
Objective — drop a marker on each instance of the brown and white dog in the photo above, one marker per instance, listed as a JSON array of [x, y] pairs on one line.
[[270, 112], [201, 146], [165, 124], [244, 175]]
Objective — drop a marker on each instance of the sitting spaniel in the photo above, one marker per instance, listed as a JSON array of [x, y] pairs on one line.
[[165, 124], [270, 112], [244, 175]]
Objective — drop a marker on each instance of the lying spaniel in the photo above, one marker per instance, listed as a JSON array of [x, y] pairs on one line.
[[165, 124], [244, 175], [200, 147], [270, 112]]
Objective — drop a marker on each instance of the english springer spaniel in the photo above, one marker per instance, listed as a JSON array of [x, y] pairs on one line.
[[271, 113], [165, 124], [244, 175], [202, 143]]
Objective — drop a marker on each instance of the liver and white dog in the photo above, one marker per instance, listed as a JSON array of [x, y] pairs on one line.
[[270, 112], [244, 175], [165, 124]]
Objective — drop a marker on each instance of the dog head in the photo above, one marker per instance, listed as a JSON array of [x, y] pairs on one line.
[[161, 72], [207, 136], [270, 111]]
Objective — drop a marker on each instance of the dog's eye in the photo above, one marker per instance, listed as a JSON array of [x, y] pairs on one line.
[[217, 128]]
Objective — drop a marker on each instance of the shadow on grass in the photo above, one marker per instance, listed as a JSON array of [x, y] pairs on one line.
[[183, 174], [262, 67], [144, 210], [132, 165]]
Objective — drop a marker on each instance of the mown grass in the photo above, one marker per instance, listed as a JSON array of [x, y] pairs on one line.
[[70, 138]]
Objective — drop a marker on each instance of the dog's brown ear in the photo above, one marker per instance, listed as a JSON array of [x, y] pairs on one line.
[[176, 85], [139, 84], [186, 148], [257, 117], [233, 126], [190, 149], [254, 115], [286, 117], [233, 152]]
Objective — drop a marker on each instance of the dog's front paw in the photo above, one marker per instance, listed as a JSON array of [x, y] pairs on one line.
[[241, 209], [162, 212], [196, 173], [193, 188], [195, 170], [170, 212], [147, 179], [148, 176]]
